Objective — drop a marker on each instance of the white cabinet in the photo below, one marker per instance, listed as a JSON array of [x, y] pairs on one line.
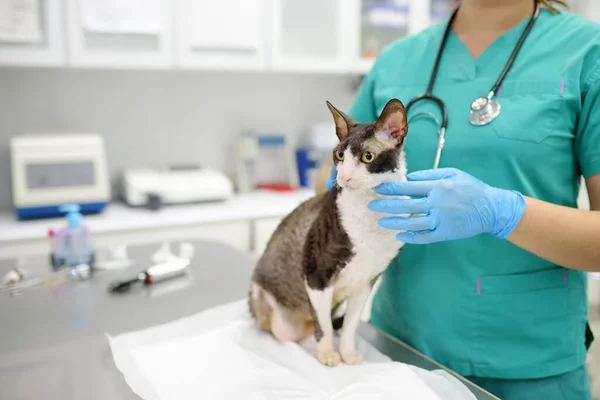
[[320, 36], [312, 35], [224, 34], [381, 22], [119, 33], [233, 233], [31, 33], [262, 231], [245, 222]]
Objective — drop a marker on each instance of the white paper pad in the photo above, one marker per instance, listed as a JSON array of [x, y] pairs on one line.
[[220, 354]]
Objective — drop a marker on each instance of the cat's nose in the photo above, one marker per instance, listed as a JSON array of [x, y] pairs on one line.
[[346, 179]]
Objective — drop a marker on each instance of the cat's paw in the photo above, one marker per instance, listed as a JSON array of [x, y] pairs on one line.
[[330, 358], [352, 357]]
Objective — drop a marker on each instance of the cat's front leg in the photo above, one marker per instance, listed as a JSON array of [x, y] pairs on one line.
[[321, 300], [356, 302]]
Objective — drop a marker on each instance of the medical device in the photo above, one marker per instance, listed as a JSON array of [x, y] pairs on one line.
[[72, 244], [314, 150], [484, 109], [265, 161], [51, 170], [157, 273], [174, 185]]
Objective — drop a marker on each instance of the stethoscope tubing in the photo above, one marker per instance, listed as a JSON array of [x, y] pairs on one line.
[[428, 95]]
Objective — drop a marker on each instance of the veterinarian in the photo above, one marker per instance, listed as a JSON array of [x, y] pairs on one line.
[[492, 280]]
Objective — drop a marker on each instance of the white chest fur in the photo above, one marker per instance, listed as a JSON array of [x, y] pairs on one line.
[[373, 246]]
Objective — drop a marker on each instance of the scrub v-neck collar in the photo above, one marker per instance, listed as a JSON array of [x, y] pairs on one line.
[[469, 68]]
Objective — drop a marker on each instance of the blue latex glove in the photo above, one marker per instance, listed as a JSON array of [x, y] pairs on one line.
[[331, 179], [452, 205]]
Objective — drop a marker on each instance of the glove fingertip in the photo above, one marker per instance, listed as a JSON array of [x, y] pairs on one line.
[[431, 174], [406, 237], [376, 205], [419, 175], [388, 188], [386, 222]]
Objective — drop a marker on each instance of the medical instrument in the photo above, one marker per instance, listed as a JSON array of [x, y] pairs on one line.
[[17, 288], [314, 150], [166, 265], [156, 273], [484, 109], [264, 161], [173, 184], [71, 246], [49, 170], [13, 276]]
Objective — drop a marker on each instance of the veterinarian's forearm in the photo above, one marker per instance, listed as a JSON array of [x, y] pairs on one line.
[[565, 236]]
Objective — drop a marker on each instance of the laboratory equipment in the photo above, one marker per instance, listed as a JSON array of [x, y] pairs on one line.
[[157, 273], [174, 185], [13, 276], [315, 150], [71, 246], [51, 170], [484, 109], [264, 161], [166, 266]]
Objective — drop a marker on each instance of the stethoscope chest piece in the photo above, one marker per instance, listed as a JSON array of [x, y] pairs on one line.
[[483, 110]]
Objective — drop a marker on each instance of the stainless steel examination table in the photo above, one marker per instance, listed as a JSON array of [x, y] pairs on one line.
[[52, 338]]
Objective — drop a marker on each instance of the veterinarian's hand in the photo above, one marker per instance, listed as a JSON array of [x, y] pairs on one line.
[[332, 177], [450, 204]]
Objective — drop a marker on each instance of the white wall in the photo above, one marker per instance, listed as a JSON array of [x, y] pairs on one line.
[[150, 117]]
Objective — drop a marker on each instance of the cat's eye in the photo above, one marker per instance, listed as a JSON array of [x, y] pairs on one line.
[[339, 155], [367, 157]]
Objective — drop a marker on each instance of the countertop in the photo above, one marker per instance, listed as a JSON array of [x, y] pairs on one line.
[[119, 217]]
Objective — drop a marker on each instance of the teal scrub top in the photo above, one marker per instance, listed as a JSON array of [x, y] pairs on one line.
[[482, 306]]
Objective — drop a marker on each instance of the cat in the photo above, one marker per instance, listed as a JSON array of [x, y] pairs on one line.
[[330, 250]]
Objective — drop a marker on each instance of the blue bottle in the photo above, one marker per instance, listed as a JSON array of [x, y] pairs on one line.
[[72, 245]]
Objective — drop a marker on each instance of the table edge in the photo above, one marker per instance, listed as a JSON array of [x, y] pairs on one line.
[[455, 374]]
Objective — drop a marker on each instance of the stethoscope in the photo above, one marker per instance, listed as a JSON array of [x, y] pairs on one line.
[[484, 109]]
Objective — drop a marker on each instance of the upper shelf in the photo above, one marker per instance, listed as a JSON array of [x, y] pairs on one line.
[[341, 36]]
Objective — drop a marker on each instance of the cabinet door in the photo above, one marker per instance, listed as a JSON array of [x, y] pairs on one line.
[[221, 35], [262, 231], [382, 22], [31, 33], [312, 35], [119, 33]]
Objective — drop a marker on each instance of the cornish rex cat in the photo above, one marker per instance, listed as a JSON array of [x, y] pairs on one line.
[[330, 249]]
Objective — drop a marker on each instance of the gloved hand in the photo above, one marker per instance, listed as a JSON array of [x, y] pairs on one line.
[[452, 204], [331, 179]]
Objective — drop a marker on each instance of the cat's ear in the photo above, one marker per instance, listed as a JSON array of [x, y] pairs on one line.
[[391, 126], [343, 123]]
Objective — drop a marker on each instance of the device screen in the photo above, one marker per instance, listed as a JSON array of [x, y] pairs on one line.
[[68, 174]]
